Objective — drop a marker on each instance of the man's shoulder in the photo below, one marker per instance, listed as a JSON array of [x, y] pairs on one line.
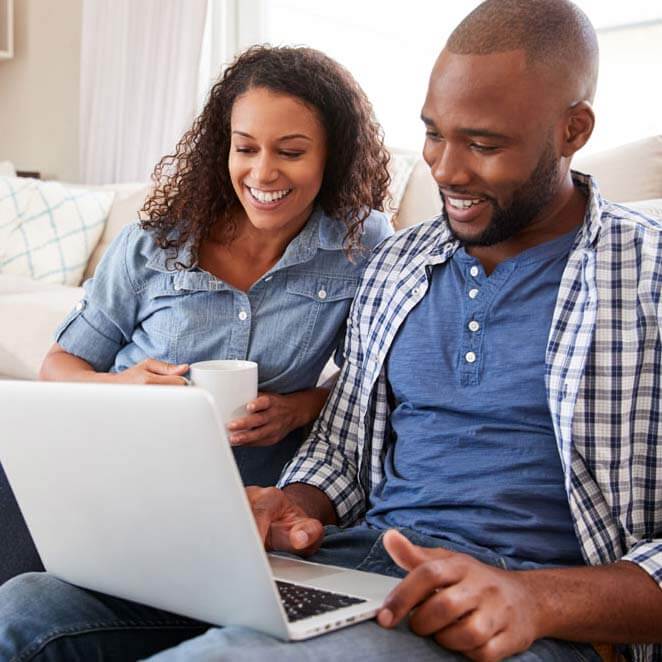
[[644, 218], [417, 239], [635, 229]]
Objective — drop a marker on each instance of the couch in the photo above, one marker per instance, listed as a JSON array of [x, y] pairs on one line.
[[30, 309]]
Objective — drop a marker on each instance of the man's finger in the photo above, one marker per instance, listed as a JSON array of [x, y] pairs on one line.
[[470, 633], [443, 607], [406, 554], [499, 647], [417, 586], [306, 536], [266, 506]]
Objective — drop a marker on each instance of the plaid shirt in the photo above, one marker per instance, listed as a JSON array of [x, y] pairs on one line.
[[603, 373]]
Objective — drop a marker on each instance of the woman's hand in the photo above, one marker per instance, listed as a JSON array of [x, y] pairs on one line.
[[151, 371], [272, 416]]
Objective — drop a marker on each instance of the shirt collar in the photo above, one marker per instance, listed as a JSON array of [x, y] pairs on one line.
[[165, 259], [595, 203], [319, 233]]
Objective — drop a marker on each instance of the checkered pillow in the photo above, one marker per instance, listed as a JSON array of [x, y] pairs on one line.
[[48, 230]]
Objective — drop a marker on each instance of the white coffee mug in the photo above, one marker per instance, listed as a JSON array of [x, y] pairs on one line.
[[232, 385]]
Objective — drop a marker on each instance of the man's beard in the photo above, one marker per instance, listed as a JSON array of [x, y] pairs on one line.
[[528, 201]]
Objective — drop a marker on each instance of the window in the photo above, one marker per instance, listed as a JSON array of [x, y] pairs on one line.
[[390, 47]]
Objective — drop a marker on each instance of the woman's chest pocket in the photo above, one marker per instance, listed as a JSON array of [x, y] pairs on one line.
[[314, 308], [178, 305]]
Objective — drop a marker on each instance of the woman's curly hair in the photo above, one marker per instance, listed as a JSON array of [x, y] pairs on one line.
[[192, 187]]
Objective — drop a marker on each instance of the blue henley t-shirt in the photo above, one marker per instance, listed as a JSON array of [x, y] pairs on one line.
[[474, 458]]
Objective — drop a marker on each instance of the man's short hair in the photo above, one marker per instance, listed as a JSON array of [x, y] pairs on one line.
[[554, 33]]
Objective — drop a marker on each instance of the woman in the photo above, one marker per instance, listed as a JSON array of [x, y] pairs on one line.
[[250, 247]]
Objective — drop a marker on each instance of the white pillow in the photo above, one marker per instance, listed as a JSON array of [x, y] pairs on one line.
[[48, 230], [7, 169]]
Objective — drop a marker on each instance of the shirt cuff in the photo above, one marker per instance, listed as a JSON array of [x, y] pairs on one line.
[[648, 556], [346, 495], [79, 336]]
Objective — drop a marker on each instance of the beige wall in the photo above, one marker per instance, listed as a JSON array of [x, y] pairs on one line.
[[39, 89]]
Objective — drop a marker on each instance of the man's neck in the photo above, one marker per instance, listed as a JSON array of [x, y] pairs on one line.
[[564, 213]]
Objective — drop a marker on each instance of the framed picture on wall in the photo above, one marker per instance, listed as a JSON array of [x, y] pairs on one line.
[[6, 29]]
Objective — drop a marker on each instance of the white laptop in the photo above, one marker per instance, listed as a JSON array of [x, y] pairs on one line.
[[133, 491]]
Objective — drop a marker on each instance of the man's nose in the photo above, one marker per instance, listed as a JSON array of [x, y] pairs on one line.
[[449, 166]]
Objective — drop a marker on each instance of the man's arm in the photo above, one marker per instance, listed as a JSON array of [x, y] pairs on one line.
[[488, 613], [618, 603]]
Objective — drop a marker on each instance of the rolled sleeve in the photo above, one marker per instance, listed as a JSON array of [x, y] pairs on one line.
[[647, 555], [103, 321], [329, 459]]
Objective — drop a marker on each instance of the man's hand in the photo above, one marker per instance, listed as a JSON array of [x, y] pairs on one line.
[[484, 612], [283, 525], [151, 371]]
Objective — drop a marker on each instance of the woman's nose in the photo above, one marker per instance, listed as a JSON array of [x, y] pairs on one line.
[[264, 169]]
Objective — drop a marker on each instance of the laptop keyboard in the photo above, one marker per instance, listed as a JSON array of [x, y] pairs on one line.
[[303, 601]]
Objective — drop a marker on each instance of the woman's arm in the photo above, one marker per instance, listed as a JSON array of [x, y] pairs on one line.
[[271, 417], [61, 366]]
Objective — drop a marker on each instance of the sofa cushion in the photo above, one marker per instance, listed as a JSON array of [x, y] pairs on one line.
[[629, 172], [50, 230], [30, 317], [124, 210], [7, 169]]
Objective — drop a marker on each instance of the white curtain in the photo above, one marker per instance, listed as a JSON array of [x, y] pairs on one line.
[[139, 78]]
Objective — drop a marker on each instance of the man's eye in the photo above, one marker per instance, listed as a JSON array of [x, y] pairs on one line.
[[432, 135], [483, 148]]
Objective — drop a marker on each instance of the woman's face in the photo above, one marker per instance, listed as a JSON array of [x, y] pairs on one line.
[[276, 161]]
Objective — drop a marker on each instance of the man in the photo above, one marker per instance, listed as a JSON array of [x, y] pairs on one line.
[[498, 405]]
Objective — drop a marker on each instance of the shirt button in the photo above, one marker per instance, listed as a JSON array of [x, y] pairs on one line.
[[267, 279], [80, 305], [415, 292], [243, 315], [470, 357], [474, 271], [474, 326], [473, 293], [322, 294]]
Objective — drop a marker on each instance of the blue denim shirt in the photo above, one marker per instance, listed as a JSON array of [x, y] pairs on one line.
[[290, 321]]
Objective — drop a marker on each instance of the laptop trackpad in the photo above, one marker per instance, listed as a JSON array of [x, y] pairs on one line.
[[298, 570]]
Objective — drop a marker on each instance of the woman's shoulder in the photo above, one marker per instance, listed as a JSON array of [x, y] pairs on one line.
[[134, 248], [376, 228]]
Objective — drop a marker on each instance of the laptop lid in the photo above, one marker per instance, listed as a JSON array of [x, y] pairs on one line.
[[133, 491]]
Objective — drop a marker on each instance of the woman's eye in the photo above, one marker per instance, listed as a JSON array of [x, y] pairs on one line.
[[244, 150], [290, 154]]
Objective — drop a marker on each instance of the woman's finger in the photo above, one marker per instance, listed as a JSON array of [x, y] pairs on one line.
[[163, 368], [262, 436], [260, 403], [248, 422]]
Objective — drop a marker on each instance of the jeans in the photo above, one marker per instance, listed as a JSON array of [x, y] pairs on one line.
[[17, 551], [43, 618]]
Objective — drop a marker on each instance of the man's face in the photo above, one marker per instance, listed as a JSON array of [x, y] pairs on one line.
[[490, 144]]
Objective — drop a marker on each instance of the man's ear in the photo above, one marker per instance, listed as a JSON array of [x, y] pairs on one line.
[[579, 124]]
